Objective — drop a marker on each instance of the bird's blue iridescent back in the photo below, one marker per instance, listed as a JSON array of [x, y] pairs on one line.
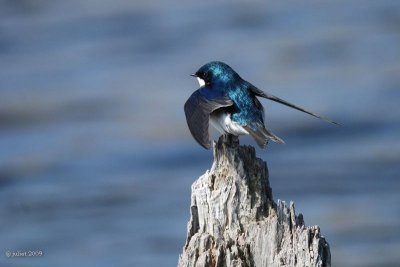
[[245, 109]]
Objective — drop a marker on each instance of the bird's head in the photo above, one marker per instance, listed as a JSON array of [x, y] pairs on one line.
[[215, 72]]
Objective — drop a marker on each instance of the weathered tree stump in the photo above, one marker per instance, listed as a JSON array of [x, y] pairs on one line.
[[235, 222]]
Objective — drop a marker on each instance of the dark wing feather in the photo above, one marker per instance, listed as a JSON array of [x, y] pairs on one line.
[[197, 111], [262, 135], [261, 93]]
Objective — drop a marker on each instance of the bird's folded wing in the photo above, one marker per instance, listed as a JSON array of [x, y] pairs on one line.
[[197, 110], [261, 93]]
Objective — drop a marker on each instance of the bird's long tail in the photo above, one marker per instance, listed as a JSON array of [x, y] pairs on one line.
[[261, 93]]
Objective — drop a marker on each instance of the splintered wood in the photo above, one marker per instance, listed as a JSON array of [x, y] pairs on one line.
[[235, 222]]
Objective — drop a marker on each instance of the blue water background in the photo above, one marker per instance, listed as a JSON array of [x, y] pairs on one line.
[[96, 160]]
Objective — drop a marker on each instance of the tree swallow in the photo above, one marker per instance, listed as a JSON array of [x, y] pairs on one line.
[[230, 104]]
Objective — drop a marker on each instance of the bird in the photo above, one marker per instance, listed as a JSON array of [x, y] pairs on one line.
[[230, 104]]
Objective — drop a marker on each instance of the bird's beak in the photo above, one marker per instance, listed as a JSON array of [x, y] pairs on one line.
[[193, 75]]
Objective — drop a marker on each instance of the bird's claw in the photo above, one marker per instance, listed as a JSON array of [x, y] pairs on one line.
[[230, 140]]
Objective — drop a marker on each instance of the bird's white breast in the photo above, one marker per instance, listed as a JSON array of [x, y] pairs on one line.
[[222, 121]]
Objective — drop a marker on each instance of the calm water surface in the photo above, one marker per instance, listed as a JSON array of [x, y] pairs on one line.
[[96, 160]]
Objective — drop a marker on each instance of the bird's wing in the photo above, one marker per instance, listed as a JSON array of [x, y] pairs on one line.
[[197, 110], [261, 93]]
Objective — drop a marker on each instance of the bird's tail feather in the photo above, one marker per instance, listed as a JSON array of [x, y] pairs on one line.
[[262, 136], [271, 136], [261, 93]]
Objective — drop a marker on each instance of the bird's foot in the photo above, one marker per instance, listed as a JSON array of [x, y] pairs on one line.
[[230, 140]]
